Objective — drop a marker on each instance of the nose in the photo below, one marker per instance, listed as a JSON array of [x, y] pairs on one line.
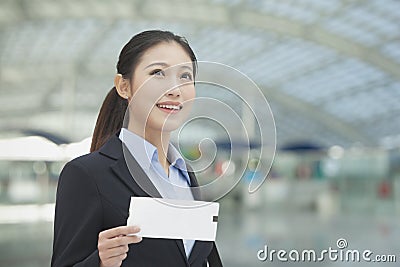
[[175, 92]]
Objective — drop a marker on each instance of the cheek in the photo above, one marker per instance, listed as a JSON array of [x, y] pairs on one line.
[[149, 92], [189, 93]]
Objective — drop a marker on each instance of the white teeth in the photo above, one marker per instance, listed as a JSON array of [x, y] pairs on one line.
[[169, 106]]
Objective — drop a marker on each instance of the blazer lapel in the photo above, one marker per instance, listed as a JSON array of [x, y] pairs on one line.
[[199, 245], [194, 185], [126, 167], [128, 170]]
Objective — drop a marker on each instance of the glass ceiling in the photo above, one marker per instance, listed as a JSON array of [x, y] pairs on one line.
[[330, 69]]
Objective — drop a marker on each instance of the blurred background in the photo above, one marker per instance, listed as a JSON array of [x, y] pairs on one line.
[[329, 69]]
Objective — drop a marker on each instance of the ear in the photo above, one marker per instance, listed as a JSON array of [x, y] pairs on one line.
[[123, 86]]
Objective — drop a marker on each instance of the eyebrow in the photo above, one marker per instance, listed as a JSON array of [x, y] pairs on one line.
[[166, 65]]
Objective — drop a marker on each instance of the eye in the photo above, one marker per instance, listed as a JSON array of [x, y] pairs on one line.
[[157, 72], [187, 76]]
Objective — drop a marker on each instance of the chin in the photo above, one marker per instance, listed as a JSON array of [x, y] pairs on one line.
[[169, 126]]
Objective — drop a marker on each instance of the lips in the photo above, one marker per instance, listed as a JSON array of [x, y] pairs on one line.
[[170, 106]]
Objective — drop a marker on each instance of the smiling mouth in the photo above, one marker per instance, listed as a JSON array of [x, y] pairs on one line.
[[169, 108]]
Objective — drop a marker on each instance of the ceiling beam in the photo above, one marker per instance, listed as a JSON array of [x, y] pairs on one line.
[[205, 14], [318, 115], [321, 36]]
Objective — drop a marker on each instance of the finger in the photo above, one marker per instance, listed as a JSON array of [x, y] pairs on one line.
[[117, 251], [117, 231], [115, 261], [106, 254], [120, 241], [134, 239]]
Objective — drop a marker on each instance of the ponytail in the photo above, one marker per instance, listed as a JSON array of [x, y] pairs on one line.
[[110, 119]]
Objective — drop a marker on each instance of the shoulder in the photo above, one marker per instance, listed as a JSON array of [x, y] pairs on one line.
[[98, 159], [85, 161], [89, 165], [96, 163]]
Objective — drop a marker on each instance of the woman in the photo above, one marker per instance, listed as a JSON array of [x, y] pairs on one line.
[[156, 75]]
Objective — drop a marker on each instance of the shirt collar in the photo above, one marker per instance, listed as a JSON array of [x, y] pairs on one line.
[[145, 153], [142, 150], [175, 158], [177, 161]]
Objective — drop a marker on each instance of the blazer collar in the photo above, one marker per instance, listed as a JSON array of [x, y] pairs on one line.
[[126, 166], [112, 148]]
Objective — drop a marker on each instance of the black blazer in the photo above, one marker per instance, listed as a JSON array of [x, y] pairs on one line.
[[93, 195]]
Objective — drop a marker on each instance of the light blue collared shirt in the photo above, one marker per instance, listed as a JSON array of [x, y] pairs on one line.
[[174, 186]]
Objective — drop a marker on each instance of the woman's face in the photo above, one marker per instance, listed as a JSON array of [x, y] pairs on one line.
[[162, 89]]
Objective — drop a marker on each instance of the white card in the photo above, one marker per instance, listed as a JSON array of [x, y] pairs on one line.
[[176, 219]]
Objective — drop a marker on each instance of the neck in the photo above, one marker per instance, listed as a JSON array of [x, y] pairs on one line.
[[159, 139]]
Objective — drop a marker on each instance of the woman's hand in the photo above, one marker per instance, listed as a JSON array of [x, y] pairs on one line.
[[113, 244]]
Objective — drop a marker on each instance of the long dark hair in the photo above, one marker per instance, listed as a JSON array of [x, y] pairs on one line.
[[112, 111]]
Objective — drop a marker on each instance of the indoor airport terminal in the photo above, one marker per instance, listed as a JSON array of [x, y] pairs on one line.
[[290, 121]]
